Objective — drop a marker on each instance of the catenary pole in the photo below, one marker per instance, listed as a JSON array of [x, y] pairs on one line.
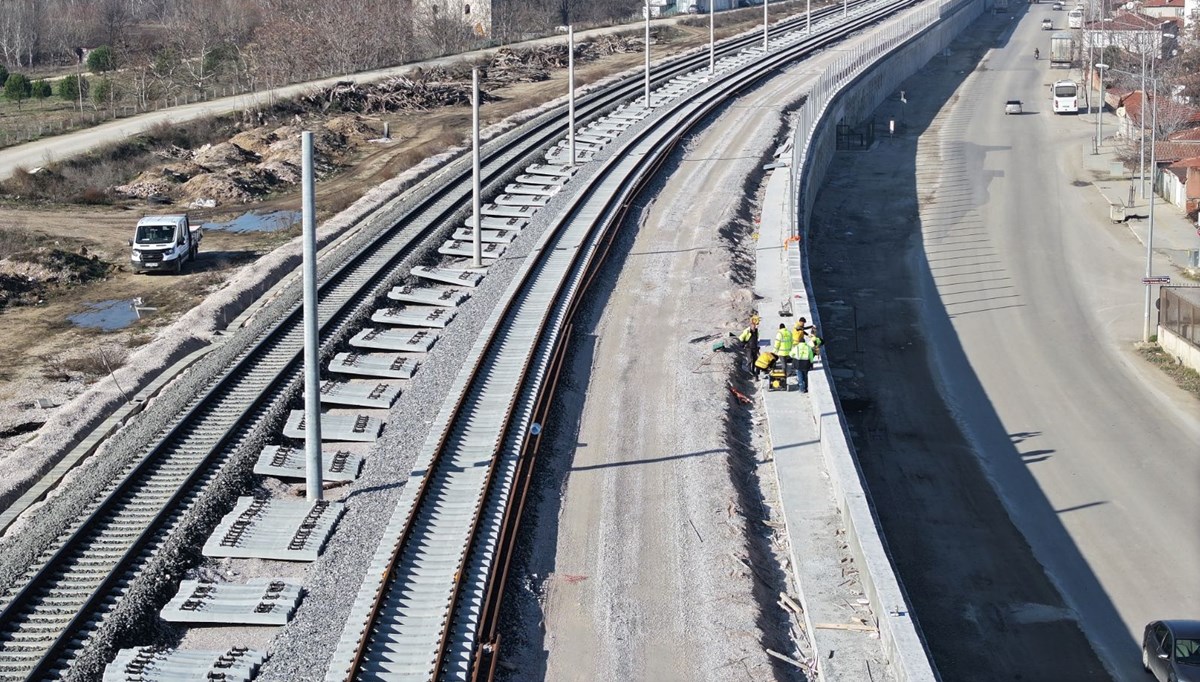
[[476, 190], [766, 33], [647, 93], [571, 94], [312, 348], [808, 17], [712, 39]]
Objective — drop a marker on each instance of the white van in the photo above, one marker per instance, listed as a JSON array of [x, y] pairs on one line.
[[1075, 18]]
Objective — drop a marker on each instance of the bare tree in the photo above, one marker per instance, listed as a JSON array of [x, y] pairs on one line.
[[112, 18], [20, 31]]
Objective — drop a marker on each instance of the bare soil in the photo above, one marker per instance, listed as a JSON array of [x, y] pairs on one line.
[[45, 356]]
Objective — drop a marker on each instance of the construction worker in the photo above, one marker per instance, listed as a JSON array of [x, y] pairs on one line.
[[783, 346], [803, 353], [799, 330], [749, 339], [806, 356]]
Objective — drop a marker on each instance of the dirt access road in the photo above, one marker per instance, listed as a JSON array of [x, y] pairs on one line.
[[657, 553], [43, 355], [1031, 473]]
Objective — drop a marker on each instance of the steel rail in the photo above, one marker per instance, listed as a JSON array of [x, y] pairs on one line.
[[406, 598], [126, 519]]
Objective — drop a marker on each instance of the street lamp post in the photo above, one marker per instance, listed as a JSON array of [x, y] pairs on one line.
[[1100, 109], [1147, 309]]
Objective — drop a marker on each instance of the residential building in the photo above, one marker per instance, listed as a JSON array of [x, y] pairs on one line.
[[1131, 32], [475, 15]]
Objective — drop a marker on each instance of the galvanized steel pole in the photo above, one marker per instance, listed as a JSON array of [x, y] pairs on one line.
[[1153, 175], [476, 191], [1100, 111], [571, 94], [766, 21], [808, 17], [712, 41], [1142, 122], [312, 349], [647, 54]]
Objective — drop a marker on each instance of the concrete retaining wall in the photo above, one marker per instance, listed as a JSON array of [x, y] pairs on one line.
[[849, 93], [1177, 346]]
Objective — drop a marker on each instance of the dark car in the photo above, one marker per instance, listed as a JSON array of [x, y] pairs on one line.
[[1171, 650]]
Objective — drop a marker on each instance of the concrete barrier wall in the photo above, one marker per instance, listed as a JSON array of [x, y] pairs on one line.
[[850, 92], [1177, 346]]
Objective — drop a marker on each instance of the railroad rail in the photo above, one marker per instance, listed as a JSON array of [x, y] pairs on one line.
[[61, 599], [417, 616]]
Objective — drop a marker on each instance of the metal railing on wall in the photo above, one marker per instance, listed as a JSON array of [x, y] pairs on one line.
[[1179, 312], [812, 150]]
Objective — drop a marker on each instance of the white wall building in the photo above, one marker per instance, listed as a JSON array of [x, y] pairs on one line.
[[475, 14]]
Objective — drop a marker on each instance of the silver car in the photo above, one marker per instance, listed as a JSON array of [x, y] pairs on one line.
[[1171, 650]]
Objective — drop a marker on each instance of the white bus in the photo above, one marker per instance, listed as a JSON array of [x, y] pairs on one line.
[[1065, 97], [1075, 18]]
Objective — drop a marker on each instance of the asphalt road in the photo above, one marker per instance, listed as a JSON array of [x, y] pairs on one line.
[[1031, 471]]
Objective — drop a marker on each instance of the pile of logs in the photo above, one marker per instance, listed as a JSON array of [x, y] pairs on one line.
[[394, 94], [451, 86], [525, 65], [606, 44]]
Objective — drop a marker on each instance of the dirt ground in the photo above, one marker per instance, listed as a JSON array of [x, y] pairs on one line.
[[987, 607], [43, 355], [654, 556]]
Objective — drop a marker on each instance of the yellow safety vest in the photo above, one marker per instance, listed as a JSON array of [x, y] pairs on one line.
[[746, 335], [802, 351], [783, 342]]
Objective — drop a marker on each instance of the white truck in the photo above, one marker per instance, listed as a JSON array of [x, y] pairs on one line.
[[164, 242], [1062, 50]]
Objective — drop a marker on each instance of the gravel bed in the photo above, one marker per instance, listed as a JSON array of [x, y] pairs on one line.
[[305, 644]]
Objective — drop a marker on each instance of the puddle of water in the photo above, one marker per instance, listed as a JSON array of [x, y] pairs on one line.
[[258, 222], [108, 315]]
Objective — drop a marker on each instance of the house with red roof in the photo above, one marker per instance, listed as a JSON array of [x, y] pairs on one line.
[[1180, 184], [1162, 9], [1134, 33]]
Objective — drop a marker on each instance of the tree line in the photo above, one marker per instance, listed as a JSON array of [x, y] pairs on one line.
[[170, 48]]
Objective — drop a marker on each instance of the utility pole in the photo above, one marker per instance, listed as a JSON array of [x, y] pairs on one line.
[[476, 189], [647, 54], [766, 22], [712, 39], [571, 94], [1153, 176], [313, 474]]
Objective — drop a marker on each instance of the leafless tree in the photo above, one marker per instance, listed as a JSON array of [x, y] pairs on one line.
[[20, 30]]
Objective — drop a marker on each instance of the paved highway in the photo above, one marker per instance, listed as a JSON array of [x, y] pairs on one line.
[[1025, 302], [1105, 488]]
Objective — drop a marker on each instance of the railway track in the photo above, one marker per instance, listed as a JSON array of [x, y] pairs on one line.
[[60, 600], [420, 614]]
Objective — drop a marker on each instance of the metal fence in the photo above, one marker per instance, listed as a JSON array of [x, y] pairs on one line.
[[1179, 312], [889, 57]]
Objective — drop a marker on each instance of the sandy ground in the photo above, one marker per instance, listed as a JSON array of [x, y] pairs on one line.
[[656, 566]]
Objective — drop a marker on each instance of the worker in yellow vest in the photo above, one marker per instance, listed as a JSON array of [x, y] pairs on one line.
[[783, 346], [805, 354], [749, 339], [799, 330]]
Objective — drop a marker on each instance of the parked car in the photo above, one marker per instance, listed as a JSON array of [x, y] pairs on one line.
[[1047, 25], [1012, 106], [1171, 650]]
